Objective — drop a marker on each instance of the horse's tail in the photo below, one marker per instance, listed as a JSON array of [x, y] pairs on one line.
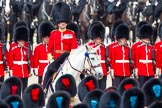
[[52, 68]]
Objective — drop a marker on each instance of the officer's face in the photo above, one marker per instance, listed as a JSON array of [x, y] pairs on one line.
[[97, 41], [45, 39], [62, 25], [122, 41], [21, 43]]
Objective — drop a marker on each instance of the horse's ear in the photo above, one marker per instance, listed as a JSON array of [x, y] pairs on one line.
[[88, 47]]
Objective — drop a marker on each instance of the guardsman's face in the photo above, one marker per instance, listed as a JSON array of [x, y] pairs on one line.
[[62, 25], [45, 40], [21, 43], [122, 41], [97, 41]]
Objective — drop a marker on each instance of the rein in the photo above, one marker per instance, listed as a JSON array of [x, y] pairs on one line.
[[85, 71]]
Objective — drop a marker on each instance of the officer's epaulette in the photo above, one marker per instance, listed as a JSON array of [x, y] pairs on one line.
[[115, 45], [38, 44], [70, 30], [135, 42], [102, 44], [140, 45], [14, 47], [54, 30]]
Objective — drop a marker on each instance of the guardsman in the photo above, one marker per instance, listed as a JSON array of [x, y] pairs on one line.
[[144, 55], [40, 52], [136, 44], [97, 34], [62, 39], [120, 55], [18, 61], [158, 51], [109, 48]]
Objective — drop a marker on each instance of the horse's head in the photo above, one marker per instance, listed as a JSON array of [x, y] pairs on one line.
[[93, 62], [17, 6], [94, 6]]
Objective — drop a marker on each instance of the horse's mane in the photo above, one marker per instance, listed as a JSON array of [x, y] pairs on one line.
[[78, 50]]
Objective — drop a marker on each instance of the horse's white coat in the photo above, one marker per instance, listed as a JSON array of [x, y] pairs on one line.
[[76, 60]]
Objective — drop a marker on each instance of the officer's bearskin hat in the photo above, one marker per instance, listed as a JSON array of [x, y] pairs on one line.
[[122, 31], [87, 84], [138, 26], [110, 100], [66, 83], [60, 99], [126, 84], [61, 12], [45, 28], [152, 90], [21, 33], [96, 30], [2, 31], [81, 105], [156, 104], [146, 31], [114, 26], [14, 101], [133, 98], [159, 31], [33, 96], [92, 99], [11, 86], [3, 104], [74, 27]]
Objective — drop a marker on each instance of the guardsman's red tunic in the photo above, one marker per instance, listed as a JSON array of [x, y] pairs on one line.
[[60, 42]]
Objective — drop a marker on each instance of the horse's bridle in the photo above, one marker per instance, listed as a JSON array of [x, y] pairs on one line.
[[85, 71]]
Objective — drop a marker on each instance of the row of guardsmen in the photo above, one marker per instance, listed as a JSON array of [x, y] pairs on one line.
[[55, 42]]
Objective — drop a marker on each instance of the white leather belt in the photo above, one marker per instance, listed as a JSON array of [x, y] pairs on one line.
[[1, 62], [145, 61], [43, 61], [20, 62], [122, 61]]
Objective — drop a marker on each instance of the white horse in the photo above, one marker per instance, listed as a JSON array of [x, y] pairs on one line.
[[83, 59]]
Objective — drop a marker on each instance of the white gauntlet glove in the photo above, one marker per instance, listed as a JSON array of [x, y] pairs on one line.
[[35, 71], [136, 73], [50, 57], [157, 73], [112, 73]]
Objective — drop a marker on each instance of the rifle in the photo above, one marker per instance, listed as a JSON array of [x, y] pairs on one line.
[[153, 59], [107, 61], [28, 54], [130, 61]]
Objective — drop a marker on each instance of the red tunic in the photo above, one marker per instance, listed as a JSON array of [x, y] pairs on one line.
[[110, 48], [157, 47], [40, 58], [18, 62], [134, 47], [61, 41], [120, 60], [101, 51], [144, 61], [158, 50]]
